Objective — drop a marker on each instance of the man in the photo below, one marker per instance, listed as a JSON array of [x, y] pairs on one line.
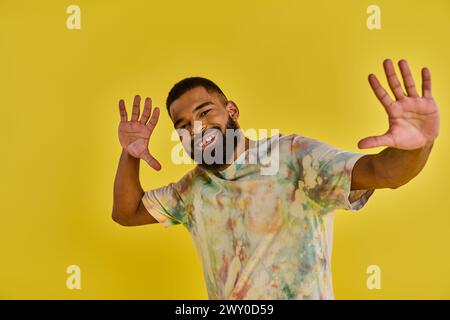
[[267, 236]]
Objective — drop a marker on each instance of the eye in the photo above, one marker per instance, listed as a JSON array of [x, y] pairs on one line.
[[182, 127], [204, 113]]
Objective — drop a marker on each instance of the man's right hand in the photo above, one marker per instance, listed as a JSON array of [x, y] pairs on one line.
[[134, 135]]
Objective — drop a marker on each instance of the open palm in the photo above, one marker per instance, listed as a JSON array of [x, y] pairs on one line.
[[413, 119], [134, 135]]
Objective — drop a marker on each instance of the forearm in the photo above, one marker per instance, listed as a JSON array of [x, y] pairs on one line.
[[395, 167], [127, 188]]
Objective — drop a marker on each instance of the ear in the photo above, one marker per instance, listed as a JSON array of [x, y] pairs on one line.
[[232, 110]]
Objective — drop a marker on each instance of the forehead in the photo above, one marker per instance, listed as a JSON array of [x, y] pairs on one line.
[[189, 100]]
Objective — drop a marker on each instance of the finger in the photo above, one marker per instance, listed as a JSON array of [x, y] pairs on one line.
[[408, 80], [391, 76], [379, 91], [136, 103], [376, 141], [153, 120], [426, 83], [146, 112], [152, 162], [122, 111]]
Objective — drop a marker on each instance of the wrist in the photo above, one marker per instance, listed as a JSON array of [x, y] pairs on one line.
[[128, 156], [428, 144]]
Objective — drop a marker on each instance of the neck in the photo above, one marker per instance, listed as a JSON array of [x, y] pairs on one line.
[[242, 146]]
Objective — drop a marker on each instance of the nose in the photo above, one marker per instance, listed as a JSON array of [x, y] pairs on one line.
[[197, 127]]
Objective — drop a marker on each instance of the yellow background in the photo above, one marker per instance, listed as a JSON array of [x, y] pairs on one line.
[[299, 66]]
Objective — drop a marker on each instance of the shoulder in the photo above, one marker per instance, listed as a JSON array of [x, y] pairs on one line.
[[301, 149], [300, 145], [184, 185]]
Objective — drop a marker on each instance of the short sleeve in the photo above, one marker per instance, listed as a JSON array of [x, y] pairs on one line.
[[326, 173], [168, 204]]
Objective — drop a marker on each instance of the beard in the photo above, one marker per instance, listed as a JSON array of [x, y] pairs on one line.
[[215, 156]]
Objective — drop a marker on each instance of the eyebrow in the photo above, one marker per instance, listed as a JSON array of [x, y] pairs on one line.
[[201, 105]]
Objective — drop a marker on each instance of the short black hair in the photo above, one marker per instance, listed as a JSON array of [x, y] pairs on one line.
[[187, 84]]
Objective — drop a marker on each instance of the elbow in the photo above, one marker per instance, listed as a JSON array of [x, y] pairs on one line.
[[116, 218], [119, 219], [393, 184], [398, 184]]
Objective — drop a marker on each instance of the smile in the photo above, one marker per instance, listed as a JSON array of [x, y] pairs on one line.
[[208, 139]]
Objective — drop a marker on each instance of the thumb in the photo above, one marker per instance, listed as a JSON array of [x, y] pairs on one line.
[[375, 141], [152, 162]]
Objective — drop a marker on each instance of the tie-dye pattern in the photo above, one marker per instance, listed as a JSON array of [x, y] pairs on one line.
[[264, 236]]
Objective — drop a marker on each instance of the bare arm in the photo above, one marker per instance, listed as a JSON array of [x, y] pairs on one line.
[[128, 209], [134, 135], [391, 168], [413, 128]]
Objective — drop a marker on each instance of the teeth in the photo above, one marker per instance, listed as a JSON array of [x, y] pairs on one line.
[[207, 140]]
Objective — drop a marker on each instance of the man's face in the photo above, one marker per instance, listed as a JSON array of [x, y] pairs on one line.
[[204, 123]]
